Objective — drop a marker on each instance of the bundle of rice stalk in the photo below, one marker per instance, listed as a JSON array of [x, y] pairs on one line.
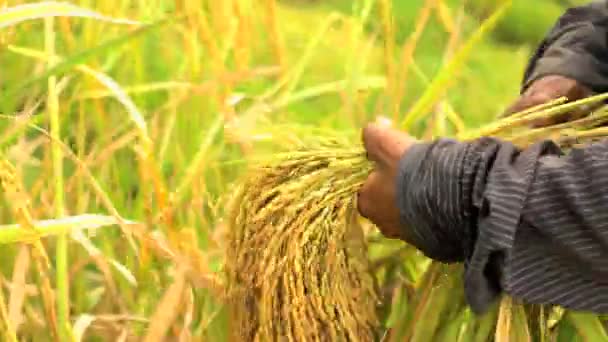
[[297, 264]]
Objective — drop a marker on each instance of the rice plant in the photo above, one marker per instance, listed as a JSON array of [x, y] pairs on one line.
[[126, 131]]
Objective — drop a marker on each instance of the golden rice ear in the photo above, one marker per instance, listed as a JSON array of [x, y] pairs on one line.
[[297, 265]]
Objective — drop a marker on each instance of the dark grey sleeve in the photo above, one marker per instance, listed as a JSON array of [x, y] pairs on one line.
[[532, 223], [576, 47]]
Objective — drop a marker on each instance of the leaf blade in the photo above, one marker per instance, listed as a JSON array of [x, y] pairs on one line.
[[13, 233]]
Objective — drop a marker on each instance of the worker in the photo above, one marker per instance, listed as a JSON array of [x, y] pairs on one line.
[[533, 222]]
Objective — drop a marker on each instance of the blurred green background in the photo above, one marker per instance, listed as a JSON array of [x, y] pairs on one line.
[[190, 98]]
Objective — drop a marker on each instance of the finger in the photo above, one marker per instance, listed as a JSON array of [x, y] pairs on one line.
[[575, 114], [584, 110], [365, 200], [385, 145], [527, 102], [372, 137]]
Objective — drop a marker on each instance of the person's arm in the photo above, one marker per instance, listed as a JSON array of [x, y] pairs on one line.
[[571, 61], [576, 48], [531, 223]]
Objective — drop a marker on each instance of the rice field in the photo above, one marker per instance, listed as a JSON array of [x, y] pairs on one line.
[[126, 126]]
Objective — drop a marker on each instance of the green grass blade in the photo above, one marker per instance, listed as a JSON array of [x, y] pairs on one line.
[[198, 161], [80, 326], [363, 83], [92, 250], [79, 58], [61, 252], [17, 14], [113, 87], [138, 89], [291, 78], [14, 233], [448, 73], [310, 50], [520, 324], [587, 326]]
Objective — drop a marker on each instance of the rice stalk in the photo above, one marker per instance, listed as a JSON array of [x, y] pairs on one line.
[[61, 262], [388, 27], [445, 76], [49, 9], [297, 263], [17, 296], [275, 36], [168, 308], [407, 55], [242, 48], [15, 194], [8, 330]]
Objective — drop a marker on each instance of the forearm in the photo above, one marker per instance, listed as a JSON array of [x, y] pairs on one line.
[[503, 211], [576, 48]]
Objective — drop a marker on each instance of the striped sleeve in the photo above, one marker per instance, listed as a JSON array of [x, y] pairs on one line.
[[532, 223], [575, 48]]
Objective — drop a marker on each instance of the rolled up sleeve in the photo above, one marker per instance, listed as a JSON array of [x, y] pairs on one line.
[[532, 223], [576, 47]]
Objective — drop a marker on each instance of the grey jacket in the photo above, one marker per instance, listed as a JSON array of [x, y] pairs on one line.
[[533, 222]]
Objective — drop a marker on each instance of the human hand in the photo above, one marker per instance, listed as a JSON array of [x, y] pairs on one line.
[[377, 198], [547, 89]]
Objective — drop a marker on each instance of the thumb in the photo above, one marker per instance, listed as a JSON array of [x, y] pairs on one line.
[[372, 137], [383, 121], [383, 144]]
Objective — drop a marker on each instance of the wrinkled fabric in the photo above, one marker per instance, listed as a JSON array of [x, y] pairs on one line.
[[576, 47], [534, 222]]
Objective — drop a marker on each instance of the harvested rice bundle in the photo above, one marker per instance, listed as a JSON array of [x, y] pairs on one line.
[[297, 261], [297, 264]]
